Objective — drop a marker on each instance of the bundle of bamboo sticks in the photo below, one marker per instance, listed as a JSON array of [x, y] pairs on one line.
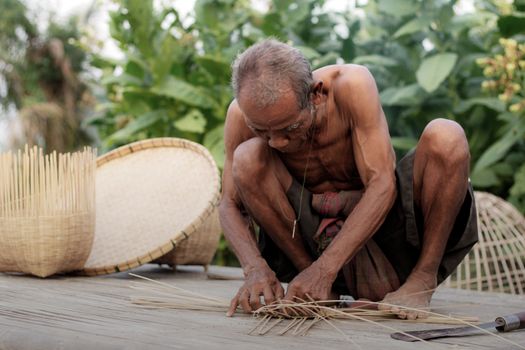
[[296, 318], [47, 210]]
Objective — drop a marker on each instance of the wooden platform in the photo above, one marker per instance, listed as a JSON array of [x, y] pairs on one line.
[[96, 313]]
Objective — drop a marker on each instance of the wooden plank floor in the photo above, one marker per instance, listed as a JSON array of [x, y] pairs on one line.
[[96, 313]]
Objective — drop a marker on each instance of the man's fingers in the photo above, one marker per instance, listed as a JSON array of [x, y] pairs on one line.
[[268, 295], [245, 302], [288, 296], [233, 306], [279, 292], [291, 294], [412, 315], [255, 300], [402, 314]]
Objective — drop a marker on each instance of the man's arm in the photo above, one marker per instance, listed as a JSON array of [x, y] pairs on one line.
[[260, 279], [357, 98]]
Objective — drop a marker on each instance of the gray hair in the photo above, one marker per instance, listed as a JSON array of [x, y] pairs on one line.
[[267, 69]]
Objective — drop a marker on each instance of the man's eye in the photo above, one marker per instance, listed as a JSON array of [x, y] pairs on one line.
[[293, 127]]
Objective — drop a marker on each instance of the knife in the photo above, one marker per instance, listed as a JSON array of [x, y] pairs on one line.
[[501, 324]]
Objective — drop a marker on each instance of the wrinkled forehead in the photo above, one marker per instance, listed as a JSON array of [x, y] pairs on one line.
[[282, 112]]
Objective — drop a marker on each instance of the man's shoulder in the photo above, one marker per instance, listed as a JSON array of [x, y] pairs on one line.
[[234, 110], [235, 127], [343, 80], [353, 90], [234, 116], [353, 76], [343, 73]]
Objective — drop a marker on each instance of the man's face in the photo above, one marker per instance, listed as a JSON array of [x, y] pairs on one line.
[[283, 124]]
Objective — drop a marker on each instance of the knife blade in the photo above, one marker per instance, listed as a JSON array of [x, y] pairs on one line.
[[501, 324]]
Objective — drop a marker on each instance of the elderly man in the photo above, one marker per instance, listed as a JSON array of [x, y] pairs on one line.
[[309, 160]]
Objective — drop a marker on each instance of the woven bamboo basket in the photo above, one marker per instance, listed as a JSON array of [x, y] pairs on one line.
[[199, 248], [497, 262], [155, 197], [47, 211]]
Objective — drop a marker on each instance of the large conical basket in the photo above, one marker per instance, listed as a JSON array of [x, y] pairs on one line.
[[47, 211], [497, 262]]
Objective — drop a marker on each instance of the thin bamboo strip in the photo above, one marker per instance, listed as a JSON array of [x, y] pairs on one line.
[[261, 321], [289, 326], [310, 325], [271, 326], [46, 210], [297, 329]]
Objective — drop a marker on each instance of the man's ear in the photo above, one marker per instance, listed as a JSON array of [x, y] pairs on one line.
[[316, 92]]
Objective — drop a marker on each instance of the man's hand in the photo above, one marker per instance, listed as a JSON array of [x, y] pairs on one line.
[[313, 283], [259, 281]]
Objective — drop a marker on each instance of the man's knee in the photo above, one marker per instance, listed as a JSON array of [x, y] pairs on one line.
[[249, 161], [445, 141]]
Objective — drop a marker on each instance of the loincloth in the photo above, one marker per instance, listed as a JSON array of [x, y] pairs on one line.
[[387, 259]]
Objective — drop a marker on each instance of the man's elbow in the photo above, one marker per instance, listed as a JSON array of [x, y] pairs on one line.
[[226, 205]]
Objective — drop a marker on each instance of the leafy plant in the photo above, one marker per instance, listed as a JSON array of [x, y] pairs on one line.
[[41, 71], [506, 71], [174, 77], [424, 61]]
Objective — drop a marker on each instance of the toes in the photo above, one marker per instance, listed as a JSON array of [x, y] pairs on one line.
[[394, 309], [422, 314], [383, 307], [402, 314], [413, 315], [385, 304]]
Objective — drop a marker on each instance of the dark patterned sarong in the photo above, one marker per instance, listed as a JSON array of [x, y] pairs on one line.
[[388, 258]]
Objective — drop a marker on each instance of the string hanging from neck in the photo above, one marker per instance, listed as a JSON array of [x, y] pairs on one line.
[[304, 174]]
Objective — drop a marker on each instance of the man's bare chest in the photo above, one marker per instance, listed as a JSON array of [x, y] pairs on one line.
[[328, 166]]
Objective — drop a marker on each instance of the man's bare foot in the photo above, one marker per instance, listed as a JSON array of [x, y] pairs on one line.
[[414, 294]]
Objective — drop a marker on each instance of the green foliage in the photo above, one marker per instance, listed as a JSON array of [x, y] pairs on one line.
[[434, 70], [174, 77], [505, 71], [427, 68], [184, 69], [15, 30], [41, 73]]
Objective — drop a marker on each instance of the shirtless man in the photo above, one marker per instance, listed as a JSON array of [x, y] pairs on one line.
[[296, 143]]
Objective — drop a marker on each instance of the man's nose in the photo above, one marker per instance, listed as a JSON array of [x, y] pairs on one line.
[[278, 141]]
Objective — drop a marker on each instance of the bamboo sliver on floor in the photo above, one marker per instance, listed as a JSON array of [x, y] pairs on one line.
[[73, 312]]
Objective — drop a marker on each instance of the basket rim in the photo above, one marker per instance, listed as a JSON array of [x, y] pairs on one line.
[[178, 236]]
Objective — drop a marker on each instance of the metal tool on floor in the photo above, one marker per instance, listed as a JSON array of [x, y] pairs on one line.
[[501, 324]]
